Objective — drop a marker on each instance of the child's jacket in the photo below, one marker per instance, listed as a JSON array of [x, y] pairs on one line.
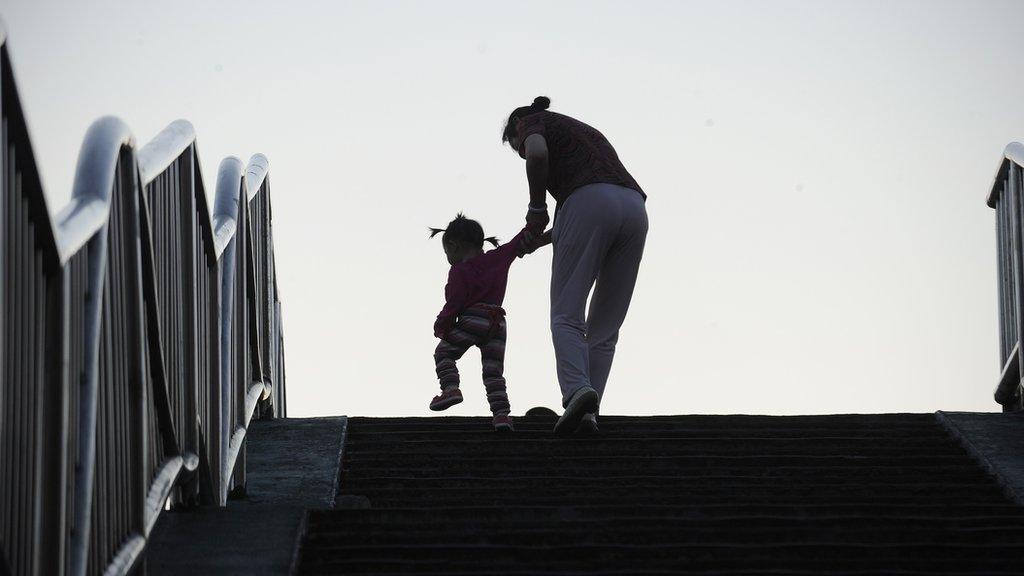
[[479, 280]]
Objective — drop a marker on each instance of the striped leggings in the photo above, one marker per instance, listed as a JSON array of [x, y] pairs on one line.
[[482, 326]]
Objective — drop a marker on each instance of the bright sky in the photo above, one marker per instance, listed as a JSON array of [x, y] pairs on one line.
[[816, 171]]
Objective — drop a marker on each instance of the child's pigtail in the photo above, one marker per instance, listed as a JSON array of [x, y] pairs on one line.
[[492, 240], [435, 231]]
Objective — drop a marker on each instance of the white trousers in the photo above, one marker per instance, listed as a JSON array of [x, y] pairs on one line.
[[598, 237]]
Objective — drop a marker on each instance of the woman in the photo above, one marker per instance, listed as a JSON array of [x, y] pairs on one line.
[[598, 236]]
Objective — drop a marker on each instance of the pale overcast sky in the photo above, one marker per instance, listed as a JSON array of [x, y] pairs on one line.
[[816, 174]]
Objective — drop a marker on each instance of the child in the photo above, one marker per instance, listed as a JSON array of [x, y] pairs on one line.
[[472, 314]]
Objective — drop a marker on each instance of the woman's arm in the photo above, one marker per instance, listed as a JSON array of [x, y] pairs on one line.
[[536, 152], [537, 168]]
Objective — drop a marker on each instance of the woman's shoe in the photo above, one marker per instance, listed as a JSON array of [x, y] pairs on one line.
[[502, 423], [588, 425], [446, 399], [584, 401]]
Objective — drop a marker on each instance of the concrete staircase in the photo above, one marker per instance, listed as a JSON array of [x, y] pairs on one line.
[[860, 494]]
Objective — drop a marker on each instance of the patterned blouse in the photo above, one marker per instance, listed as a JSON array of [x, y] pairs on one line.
[[577, 154]]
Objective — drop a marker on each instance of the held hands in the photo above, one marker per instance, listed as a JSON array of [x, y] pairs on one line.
[[534, 235], [531, 242], [537, 219]]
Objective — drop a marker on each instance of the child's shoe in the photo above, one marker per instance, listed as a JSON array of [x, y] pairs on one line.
[[502, 423], [449, 397]]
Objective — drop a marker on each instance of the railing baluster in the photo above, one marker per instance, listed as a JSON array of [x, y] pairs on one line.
[[1016, 205], [1001, 284]]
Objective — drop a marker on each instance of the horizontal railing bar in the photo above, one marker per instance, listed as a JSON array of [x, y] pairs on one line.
[[1009, 378], [252, 398], [225, 207], [160, 489], [1014, 152], [229, 180], [89, 208], [255, 174], [190, 461], [126, 556], [166, 147]]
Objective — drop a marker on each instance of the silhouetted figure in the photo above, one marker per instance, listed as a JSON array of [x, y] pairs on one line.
[[472, 314], [598, 235]]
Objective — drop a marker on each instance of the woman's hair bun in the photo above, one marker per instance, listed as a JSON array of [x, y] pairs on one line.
[[541, 103]]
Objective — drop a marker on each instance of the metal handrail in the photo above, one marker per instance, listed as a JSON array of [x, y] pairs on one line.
[[87, 212], [1012, 154], [142, 307], [164, 149], [1005, 196]]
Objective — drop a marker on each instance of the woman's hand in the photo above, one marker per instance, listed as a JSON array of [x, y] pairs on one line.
[[536, 219], [531, 242]]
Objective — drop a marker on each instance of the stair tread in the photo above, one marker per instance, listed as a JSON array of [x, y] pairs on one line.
[[847, 494]]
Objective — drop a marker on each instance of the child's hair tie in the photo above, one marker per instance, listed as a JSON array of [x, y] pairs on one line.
[[464, 230]]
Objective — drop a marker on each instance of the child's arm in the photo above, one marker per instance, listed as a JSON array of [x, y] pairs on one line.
[[455, 297]]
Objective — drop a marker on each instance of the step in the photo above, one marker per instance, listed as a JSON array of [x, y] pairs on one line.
[[951, 512], [358, 557], [846, 494]]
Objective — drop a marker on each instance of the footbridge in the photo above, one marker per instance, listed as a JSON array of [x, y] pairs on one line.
[[144, 429]]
